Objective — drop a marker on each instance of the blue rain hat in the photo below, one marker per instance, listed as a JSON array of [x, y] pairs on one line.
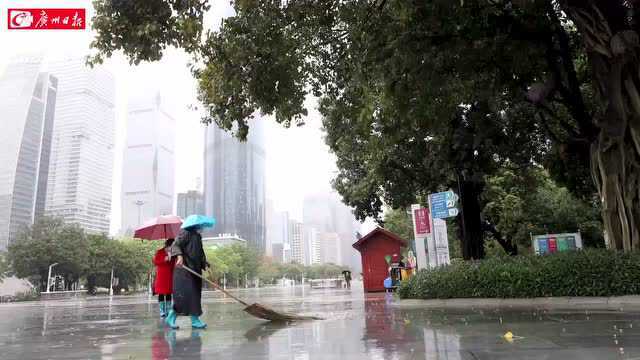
[[198, 221]]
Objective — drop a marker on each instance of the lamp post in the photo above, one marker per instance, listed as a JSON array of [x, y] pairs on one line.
[[49, 277], [111, 284]]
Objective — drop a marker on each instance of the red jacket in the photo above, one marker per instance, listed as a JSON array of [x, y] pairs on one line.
[[164, 273]]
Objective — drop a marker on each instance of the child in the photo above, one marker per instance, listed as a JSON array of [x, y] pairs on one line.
[[163, 285]]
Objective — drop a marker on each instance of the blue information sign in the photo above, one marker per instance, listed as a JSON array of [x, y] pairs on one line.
[[443, 205]]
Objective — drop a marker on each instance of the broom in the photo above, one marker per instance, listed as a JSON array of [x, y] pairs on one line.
[[255, 309]]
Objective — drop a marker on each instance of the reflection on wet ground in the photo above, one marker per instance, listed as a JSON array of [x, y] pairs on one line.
[[355, 327]]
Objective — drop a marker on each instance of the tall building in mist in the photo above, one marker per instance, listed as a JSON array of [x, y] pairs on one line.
[[81, 169], [277, 231], [329, 246], [148, 167], [328, 215], [277, 252], [189, 203], [234, 183], [27, 114], [312, 246], [296, 231]]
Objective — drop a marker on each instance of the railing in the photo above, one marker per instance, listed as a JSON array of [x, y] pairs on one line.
[[326, 283], [63, 294]]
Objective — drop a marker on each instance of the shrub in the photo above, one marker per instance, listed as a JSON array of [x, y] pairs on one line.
[[579, 273]]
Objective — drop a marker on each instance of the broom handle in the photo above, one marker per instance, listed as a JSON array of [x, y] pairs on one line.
[[215, 285]]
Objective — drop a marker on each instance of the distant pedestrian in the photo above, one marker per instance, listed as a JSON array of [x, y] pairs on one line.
[[163, 285], [347, 278], [187, 288]]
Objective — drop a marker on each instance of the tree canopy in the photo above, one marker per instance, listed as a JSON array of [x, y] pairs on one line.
[[49, 241], [4, 266], [422, 95], [521, 204]]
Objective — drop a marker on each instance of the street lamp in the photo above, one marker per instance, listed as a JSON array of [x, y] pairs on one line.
[[49, 277]]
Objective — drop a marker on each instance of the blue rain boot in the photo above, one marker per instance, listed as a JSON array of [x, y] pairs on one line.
[[196, 323], [163, 309], [171, 319]]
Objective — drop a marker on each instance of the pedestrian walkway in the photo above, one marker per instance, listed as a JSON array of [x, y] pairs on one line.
[[356, 326]]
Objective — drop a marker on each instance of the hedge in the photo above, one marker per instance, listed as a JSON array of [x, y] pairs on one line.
[[577, 273]]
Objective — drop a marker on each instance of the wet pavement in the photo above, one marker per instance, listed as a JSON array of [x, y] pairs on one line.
[[355, 327]]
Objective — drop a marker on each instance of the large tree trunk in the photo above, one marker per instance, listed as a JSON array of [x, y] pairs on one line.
[[507, 244], [470, 223], [614, 54]]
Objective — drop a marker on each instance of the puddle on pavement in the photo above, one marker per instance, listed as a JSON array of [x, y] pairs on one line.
[[355, 327]]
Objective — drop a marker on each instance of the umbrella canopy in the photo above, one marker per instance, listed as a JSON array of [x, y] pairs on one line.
[[162, 227], [198, 220]]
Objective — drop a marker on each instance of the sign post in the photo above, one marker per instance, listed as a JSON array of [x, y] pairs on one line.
[[441, 242], [430, 230], [421, 231], [442, 206]]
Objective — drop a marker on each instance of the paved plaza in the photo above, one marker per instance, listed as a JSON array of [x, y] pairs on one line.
[[355, 327]]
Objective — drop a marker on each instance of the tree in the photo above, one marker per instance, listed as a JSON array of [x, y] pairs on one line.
[[100, 261], [49, 241], [4, 266], [130, 260], [523, 203], [400, 223], [610, 33], [133, 262], [236, 262], [430, 74], [292, 270], [313, 46], [218, 264], [268, 271], [324, 271]]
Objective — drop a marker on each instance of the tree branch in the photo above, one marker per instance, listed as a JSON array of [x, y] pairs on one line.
[[508, 246], [572, 92]]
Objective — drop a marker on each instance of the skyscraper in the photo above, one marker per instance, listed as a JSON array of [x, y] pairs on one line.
[[330, 249], [277, 229], [27, 110], [234, 183], [312, 246], [81, 165], [328, 215], [296, 231], [148, 168], [190, 203], [277, 251]]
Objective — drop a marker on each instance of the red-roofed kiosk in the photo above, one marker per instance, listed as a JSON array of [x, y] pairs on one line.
[[373, 247]]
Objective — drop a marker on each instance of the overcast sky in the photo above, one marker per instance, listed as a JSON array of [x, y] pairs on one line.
[[298, 161]]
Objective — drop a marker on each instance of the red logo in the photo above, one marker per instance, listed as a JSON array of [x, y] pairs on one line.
[[46, 19]]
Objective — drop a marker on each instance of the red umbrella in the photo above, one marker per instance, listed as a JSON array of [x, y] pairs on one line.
[[162, 227]]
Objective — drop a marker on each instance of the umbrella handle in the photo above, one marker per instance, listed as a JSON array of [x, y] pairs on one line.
[[216, 286]]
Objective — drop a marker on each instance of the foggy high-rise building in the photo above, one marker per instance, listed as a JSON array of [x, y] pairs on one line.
[[81, 169], [277, 229], [148, 168], [328, 215], [190, 203], [27, 113], [329, 248], [277, 251], [296, 232], [234, 183], [312, 246]]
